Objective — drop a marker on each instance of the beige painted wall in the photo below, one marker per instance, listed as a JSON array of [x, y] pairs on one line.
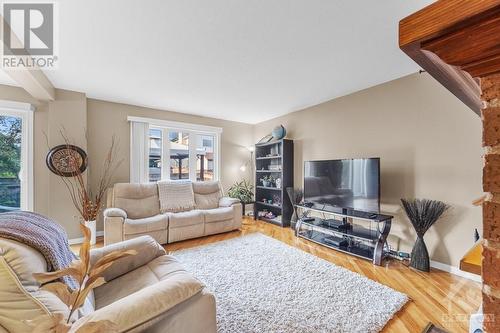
[[68, 111], [429, 144], [76, 114], [106, 119], [428, 141]]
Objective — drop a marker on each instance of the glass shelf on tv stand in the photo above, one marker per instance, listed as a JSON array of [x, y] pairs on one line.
[[345, 212], [366, 241]]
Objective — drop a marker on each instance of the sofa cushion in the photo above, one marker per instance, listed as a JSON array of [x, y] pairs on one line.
[[175, 196], [24, 261], [219, 227], [20, 294], [147, 250], [147, 275], [186, 232], [140, 226], [143, 311], [218, 214], [182, 219], [137, 200], [207, 194], [16, 304]]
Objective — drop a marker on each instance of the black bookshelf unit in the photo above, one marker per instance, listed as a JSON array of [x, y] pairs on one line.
[[274, 159]]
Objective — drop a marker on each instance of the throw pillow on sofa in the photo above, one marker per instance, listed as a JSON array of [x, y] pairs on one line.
[[175, 196]]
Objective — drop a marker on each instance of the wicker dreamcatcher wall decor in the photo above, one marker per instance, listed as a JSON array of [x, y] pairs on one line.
[[67, 160]]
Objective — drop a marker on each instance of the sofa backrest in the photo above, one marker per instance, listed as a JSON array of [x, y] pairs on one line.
[[138, 200], [142, 200], [207, 194], [21, 297]]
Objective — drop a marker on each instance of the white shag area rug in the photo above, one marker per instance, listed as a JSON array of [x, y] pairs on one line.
[[264, 285]]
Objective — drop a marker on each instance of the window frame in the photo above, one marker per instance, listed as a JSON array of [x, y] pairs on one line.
[[25, 111], [193, 130]]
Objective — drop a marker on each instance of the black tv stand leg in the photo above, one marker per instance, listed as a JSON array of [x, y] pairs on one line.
[[378, 254]]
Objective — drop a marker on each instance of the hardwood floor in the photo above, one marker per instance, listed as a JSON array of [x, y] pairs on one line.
[[438, 297]]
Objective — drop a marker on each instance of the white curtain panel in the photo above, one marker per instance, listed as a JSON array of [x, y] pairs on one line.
[[139, 152]]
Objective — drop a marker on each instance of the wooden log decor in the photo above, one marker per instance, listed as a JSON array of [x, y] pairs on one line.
[[458, 43]]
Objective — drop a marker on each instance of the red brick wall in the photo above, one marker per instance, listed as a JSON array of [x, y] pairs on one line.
[[491, 209]]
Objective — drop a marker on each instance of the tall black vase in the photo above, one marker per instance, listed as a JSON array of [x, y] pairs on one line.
[[420, 255]]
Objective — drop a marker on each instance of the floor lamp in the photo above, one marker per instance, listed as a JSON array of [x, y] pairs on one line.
[[249, 165]]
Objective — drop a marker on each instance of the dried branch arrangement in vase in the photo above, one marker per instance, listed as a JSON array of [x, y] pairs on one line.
[[88, 202]]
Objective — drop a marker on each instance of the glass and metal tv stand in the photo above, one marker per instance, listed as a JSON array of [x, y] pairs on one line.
[[357, 233]]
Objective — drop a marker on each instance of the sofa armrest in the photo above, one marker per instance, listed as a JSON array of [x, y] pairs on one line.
[[147, 249], [115, 212], [228, 202], [113, 229], [141, 308]]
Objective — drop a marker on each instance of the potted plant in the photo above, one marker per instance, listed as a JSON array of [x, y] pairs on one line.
[[243, 191], [267, 180]]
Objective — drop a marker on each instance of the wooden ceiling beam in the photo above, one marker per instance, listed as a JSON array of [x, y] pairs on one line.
[[33, 80], [455, 41], [483, 67], [470, 45], [442, 17]]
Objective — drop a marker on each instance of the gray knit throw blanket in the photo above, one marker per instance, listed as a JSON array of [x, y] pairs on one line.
[[43, 235]]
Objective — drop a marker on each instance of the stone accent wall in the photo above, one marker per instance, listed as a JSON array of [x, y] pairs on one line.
[[490, 87]]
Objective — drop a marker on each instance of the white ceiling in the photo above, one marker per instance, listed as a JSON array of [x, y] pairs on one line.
[[239, 60], [6, 79]]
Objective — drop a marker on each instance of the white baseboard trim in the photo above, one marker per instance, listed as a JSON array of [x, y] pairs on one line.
[[80, 240], [455, 271]]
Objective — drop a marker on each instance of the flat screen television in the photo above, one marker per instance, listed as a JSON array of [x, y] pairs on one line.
[[345, 184]]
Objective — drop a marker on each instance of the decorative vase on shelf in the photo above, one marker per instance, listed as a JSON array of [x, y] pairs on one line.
[[92, 226], [279, 132], [422, 213]]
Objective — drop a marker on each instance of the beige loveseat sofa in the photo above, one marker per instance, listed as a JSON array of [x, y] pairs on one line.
[[134, 210], [147, 292]]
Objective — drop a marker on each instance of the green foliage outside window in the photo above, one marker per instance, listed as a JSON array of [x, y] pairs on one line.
[[10, 146], [10, 162]]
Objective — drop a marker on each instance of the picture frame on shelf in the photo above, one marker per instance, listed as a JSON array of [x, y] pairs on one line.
[[266, 139]]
